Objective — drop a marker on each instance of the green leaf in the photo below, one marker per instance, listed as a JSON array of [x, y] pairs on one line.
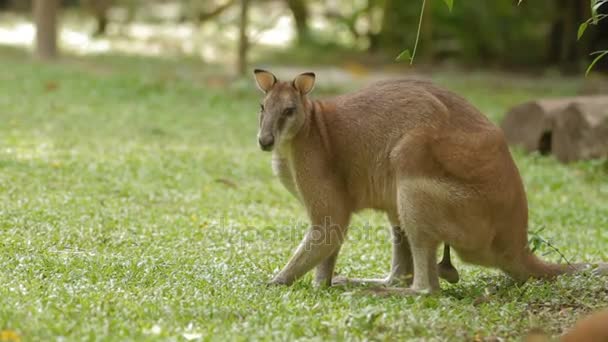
[[581, 30], [602, 54], [450, 4], [405, 55], [598, 4], [594, 7]]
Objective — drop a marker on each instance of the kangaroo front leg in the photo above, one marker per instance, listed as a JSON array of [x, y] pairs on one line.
[[320, 243]]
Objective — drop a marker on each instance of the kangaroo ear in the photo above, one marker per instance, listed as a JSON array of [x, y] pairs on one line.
[[264, 79], [305, 82]]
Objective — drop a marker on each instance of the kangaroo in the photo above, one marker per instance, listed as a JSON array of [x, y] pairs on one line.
[[438, 168], [590, 328]]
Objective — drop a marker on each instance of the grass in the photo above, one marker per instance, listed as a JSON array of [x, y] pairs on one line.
[[135, 205]]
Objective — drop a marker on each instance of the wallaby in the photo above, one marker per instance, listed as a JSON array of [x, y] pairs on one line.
[[439, 169], [592, 328]]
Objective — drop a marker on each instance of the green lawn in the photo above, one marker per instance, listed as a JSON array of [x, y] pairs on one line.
[[135, 205]]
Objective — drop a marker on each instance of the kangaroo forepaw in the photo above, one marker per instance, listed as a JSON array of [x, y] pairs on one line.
[[402, 282], [600, 269], [278, 281]]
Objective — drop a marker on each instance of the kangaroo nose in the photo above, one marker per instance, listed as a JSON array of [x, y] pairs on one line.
[[266, 142]]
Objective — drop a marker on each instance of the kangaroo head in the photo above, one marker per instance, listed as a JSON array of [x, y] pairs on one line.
[[283, 110]]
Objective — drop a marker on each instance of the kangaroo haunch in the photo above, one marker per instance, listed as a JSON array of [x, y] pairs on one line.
[[438, 168]]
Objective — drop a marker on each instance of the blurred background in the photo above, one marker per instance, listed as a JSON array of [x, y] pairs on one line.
[[534, 36]]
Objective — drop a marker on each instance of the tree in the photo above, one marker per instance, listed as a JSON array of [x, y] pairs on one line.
[[564, 49], [45, 16], [243, 38], [204, 16], [99, 9], [300, 15]]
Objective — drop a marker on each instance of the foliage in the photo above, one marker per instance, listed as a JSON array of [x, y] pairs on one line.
[[477, 32], [595, 18], [135, 205], [406, 54], [495, 31], [600, 55], [449, 3]]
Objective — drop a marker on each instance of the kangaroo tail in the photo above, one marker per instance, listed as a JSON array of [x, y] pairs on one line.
[[530, 266]]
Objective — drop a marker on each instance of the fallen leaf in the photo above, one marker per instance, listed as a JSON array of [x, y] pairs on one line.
[[226, 182], [192, 336], [480, 300], [9, 336], [51, 86], [356, 69], [154, 330]]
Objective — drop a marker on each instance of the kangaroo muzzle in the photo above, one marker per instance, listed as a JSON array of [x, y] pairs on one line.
[[266, 142]]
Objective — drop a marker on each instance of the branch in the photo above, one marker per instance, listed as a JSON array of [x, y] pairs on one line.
[[349, 22], [204, 16]]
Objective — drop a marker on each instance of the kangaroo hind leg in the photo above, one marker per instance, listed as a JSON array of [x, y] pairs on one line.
[[401, 265]]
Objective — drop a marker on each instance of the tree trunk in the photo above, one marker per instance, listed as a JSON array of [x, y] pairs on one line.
[[564, 48], [17, 5], [372, 35], [243, 38], [300, 16], [204, 16], [99, 9], [426, 35], [45, 16], [399, 23]]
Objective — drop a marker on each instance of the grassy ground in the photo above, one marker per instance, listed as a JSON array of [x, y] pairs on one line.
[[135, 205]]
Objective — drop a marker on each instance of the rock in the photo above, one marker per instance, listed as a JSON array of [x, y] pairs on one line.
[[581, 131], [571, 128]]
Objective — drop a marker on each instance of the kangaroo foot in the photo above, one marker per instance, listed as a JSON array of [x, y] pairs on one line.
[[400, 282], [395, 291]]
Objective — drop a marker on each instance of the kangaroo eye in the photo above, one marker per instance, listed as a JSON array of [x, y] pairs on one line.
[[289, 111], [261, 107]]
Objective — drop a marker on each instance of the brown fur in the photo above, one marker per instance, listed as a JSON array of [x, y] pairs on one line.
[[592, 328], [437, 167]]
